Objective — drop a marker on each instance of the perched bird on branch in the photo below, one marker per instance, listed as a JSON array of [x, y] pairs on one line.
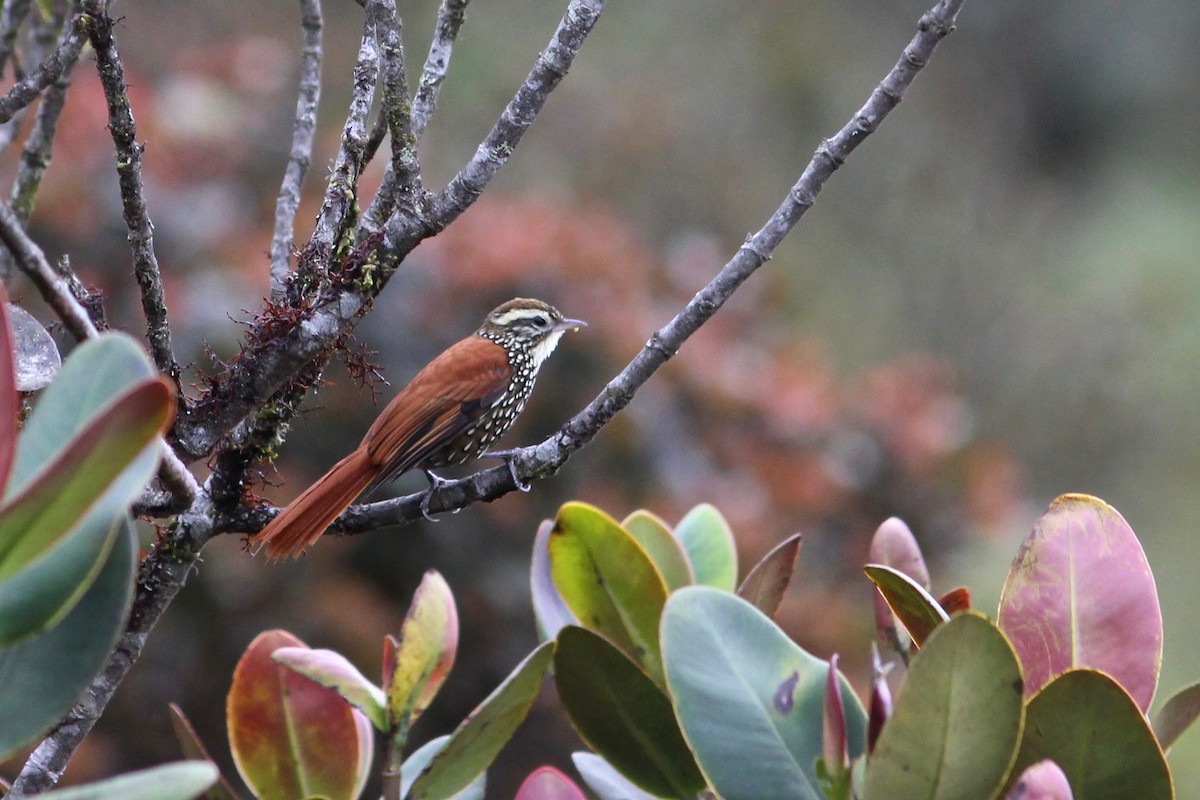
[[449, 413]]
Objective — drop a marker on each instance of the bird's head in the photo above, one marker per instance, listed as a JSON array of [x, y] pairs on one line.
[[529, 325]]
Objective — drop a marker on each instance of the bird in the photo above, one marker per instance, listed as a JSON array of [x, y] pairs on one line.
[[448, 414]]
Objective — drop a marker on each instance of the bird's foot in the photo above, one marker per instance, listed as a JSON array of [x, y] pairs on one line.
[[435, 482], [509, 457]]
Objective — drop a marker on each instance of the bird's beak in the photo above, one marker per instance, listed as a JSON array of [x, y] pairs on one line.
[[570, 325]]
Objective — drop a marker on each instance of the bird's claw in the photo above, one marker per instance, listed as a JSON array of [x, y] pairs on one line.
[[510, 460], [435, 482]]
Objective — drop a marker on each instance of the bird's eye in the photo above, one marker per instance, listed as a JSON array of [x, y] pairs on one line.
[[540, 321]]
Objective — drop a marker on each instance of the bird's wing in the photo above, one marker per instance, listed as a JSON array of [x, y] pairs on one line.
[[440, 403]]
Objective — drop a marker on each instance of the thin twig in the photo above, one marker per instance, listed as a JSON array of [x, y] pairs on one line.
[[451, 15], [133, 196], [334, 219], [12, 14], [494, 151], [46, 73], [300, 157], [402, 184]]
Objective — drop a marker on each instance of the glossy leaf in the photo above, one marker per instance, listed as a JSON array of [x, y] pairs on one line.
[[769, 579], [916, 609], [603, 779], [1090, 727], [44, 675], [730, 668], [415, 667], [334, 671], [663, 548], [710, 548], [419, 759], [1080, 594], [834, 747], [96, 372], [1044, 780], [894, 545], [9, 402], [182, 780], [1176, 715], [290, 737], [478, 740], [52, 504], [622, 714], [547, 783], [193, 748], [957, 721], [955, 600], [608, 581], [550, 612]]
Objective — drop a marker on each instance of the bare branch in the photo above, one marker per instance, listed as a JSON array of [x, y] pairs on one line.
[[12, 14], [300, 156], [402, 181], [494, 151], [451, 15], [46, 73], [341, 192], [133, 197]]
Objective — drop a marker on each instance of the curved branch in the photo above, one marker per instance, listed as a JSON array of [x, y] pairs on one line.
[[300, 158]]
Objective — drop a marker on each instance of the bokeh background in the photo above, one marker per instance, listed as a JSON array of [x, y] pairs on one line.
[[996, 300]]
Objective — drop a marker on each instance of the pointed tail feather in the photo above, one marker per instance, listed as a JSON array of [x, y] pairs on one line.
[[303, 522]]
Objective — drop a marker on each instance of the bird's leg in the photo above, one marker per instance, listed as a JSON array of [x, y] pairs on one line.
[[510, 458], [435, 482]]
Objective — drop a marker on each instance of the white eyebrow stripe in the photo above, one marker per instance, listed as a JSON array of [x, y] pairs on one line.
[[512, 315]]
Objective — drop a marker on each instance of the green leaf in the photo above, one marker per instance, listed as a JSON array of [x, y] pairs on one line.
[[49, 506], [708, 542], [419, 759], [291, 737], [1088, 725], [416, 666], [604, 780], [1176, 715], [913, 606], [957, 721], [182, 780], [766, 583], [893, 545], [333, 671], [663, 548], [608, 581], [43, 676], [1080, 594], [478, 740], [96, 372], [749, 701], [622, 714]]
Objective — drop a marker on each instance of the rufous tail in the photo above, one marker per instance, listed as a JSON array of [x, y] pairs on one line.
[[303, 522]]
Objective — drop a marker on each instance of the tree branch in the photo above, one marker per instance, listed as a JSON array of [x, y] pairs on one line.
[[46, 73], [133, 198], [300, 157]]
